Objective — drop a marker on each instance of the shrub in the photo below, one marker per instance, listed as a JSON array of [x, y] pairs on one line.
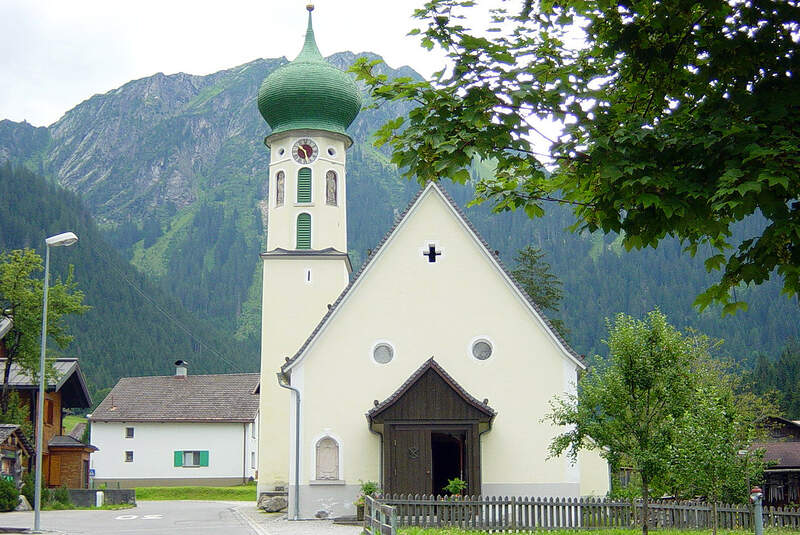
[[59, 496], [9, 495], [29, 486]]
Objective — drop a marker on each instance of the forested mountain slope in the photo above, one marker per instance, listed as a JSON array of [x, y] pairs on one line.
[[174, 169], [124, 333]]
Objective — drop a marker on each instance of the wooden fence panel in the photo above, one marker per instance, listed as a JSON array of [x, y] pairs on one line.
[[514, 513]]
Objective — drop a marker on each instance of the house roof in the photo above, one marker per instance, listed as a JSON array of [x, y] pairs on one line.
[[78, 430], [5, 325], [68, 380], [66, 441], [431, 364], [6, 430], [780, 455], [190, 398], [536, 309]]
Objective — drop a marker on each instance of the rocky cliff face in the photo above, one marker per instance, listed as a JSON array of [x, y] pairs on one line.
[[172, 164]]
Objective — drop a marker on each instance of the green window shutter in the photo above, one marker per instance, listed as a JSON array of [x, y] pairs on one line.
[[304, 185], [178, 458], [304, 231], [204, 458]]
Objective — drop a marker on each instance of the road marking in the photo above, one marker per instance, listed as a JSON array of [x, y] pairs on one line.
[[126, 517], [152, 517]]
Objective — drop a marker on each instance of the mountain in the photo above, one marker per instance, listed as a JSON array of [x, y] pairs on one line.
[[132, 327], [174, 170]]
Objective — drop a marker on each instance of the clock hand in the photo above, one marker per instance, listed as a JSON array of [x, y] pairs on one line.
[[303, 149]]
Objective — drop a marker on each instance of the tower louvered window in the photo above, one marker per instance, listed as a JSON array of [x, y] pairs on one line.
[[304, 185], [304, 231]]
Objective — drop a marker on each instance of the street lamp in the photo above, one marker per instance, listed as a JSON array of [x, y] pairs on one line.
[[65, 239]]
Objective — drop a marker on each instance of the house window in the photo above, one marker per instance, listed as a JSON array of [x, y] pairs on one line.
[[191, 458], [48, 411], [252, 459], [129, 432], [304, 231], [304, 185], [129, 456], [253, 430], [327, 458]]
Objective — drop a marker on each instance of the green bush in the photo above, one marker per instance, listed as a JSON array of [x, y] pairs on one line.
[[29, 486], [59, 496], [9, 495]]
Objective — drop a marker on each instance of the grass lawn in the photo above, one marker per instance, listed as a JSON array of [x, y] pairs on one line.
[[71, 421], [435, 531], [245, 493]]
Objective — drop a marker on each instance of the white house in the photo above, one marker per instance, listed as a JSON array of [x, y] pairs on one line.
[[431, 363], [177, 430]]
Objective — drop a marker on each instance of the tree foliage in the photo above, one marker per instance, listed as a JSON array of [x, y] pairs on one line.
[[533, 273], [680, 120], [711, 454], [661, 405], [21, 295], [628, 405]]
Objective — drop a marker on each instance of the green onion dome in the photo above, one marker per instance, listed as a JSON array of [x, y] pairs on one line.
[[309, 92]]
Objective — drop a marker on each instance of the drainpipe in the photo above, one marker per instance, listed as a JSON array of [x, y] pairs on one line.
[[282, 383]]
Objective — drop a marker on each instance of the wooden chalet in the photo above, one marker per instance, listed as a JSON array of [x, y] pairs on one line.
[[782, 454], [65, 460]]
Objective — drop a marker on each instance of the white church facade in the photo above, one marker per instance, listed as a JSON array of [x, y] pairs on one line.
[[430, 363]]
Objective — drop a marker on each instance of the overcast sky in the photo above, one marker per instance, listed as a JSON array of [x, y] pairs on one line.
[[55, 54]]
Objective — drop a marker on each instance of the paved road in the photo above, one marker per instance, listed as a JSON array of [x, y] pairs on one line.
[[150, 518]]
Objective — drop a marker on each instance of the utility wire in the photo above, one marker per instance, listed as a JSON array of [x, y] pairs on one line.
[[164, 312]]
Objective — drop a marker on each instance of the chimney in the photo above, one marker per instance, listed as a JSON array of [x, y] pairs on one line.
[[181, 368]]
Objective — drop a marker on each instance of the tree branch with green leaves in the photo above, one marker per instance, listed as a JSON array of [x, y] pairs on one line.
[[680, 119]]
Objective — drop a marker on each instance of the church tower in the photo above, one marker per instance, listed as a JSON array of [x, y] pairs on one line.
[[309, 104]]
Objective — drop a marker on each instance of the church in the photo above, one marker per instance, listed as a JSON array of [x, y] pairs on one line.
[[429, 363]]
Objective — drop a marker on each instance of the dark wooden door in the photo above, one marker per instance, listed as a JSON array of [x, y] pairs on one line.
[[411, 461]]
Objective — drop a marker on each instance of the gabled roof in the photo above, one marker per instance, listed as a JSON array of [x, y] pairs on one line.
[[432, 186], [431, 364], [190, 398], [68, 380], [6, 430]]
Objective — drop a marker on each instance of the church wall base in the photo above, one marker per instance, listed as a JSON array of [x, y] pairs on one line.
[[539, 490], [324, 501]]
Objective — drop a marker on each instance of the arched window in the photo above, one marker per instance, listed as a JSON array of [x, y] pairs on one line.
[[304, 185], [280, 188], [330, 188], [304, 231], [327, 458]]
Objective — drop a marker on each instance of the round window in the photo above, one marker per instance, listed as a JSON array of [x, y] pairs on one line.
[[281, 152], [331, 152], [481, 349], [383, 353]]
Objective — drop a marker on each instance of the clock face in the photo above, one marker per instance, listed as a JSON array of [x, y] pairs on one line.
[[305, 150]]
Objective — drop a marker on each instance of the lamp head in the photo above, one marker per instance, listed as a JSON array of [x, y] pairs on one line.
[[65, 239]]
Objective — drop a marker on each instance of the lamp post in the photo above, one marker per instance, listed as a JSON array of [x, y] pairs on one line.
[[65, 239]]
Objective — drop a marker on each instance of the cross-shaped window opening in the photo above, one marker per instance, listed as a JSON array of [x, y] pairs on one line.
[[431, 253]]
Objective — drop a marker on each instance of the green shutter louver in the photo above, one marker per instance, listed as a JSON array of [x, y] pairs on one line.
[[304, 231], [204, 458], [178, 458], [304, 185]]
